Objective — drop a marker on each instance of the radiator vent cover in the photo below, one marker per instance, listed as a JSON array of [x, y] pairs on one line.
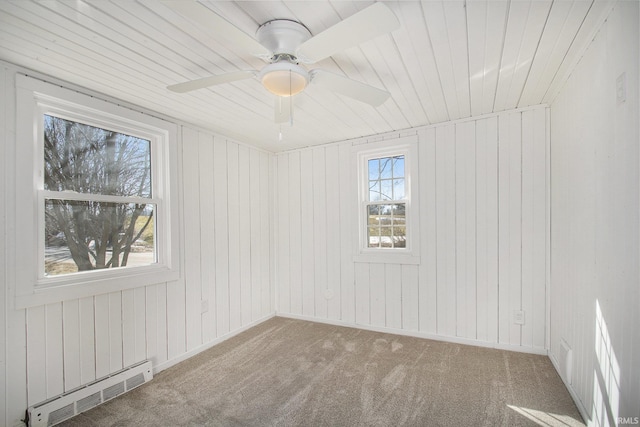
[[67, 405]]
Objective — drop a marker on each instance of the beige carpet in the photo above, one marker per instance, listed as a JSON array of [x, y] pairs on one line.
[[288, 372]]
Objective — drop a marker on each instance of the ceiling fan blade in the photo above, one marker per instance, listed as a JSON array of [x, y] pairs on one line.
[[217, 26], [283, 109], [211, 81], [351, 88], [367, 24]]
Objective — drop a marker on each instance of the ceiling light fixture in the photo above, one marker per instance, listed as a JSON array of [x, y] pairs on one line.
[[284, 78]]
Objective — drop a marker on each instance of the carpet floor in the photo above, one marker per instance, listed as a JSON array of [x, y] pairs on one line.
[[286, 372]]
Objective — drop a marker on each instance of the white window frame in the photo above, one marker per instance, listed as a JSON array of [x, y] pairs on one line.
[[36, 98], [407, 147]]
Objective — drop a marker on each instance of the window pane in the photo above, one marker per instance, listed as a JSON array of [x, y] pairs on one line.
[[374, 171], [386, 189], [374, 191], [373, 237], [86, 235], [398, 167], [90, 160], [373, 215], [386, 167], [398, 189]]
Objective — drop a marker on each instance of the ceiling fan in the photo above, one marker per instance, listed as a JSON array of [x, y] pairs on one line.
[[285, 44]]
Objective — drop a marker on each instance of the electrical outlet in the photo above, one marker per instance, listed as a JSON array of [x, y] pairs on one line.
[[204, 306], [518, 317]]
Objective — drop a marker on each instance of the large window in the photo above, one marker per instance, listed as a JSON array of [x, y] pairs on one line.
[[387, 201], [98, 198], [102, 212]]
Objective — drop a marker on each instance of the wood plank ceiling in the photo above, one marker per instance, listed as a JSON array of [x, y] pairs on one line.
[[448, 60]]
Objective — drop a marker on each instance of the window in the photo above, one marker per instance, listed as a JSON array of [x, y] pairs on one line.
[[386, 207], [98, 204], [102, 216], [387, 201]]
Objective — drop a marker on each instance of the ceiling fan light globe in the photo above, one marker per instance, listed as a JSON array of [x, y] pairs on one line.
[[284, 83], [284, 78]]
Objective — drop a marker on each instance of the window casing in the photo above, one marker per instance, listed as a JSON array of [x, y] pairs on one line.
[[71, 202], [387, 201]]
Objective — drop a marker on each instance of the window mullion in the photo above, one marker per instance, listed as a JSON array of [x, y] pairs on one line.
[[86, 197]]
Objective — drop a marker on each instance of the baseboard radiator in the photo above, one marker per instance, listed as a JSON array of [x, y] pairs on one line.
[[67, 405]]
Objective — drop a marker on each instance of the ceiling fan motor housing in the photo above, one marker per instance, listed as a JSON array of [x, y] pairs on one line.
[[282, 36]]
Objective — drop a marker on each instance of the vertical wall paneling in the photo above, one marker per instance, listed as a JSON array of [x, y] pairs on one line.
[[36, 354], [158, 326], [487, 229], [192, 235], [256, 214], [101, 322], [128, 327], [151, 315], [410, 310], [54, 349], [393, 296], [233, 200], [465, 230], [207, 237], [362, 294], [87, 340], [320, 231], [307, 232], [347, 206], [528, 231], [594, 203], [482, 229], [221, 235], [538, 314], [515, 224], [333, 249], [244, 234], [295, 236], [266, 195], [71, 344], [428, 282], [140, 327], [283, 235], [446, 219], [176, 291], [115, 331], [377, 294]]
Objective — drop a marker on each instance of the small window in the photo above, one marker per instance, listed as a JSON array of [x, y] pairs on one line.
[[386, 207], [387, 194]]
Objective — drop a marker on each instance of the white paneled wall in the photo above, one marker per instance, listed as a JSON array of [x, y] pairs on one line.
[[483, 228], [595, 225], [225, 284], [74, 342]]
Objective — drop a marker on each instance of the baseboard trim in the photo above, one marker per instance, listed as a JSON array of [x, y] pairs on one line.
[[184, 356], [418, 334], [572, 393]]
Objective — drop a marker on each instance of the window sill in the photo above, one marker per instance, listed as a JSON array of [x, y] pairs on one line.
[[75, 289], [387, 258]]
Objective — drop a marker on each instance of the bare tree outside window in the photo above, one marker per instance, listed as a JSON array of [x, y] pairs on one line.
[[99, 209]]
